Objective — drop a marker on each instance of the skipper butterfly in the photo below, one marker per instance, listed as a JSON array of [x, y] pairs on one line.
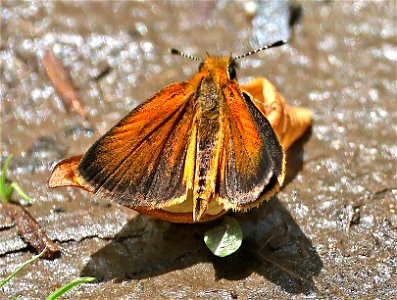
[[190, 153]]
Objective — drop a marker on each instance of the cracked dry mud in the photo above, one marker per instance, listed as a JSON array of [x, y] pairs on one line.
[[330, 233]]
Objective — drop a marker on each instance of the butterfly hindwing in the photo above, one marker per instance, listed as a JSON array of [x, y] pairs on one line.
[[140, 161], [252, 159]]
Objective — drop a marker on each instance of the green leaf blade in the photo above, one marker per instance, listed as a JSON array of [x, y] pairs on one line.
[[5, 189], [224, 239], [3, 178], [15, 186], [67, 287], [20, 268]]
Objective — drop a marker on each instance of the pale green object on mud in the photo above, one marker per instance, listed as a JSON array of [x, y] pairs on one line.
[[224, 239]]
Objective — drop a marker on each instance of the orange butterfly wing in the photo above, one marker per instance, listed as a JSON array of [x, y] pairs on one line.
[[252, 161], [140, 161]]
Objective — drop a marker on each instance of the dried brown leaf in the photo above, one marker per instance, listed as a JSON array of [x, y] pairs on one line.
[[63, 83]]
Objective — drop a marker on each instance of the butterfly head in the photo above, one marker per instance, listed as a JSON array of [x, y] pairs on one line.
[[223, 68]]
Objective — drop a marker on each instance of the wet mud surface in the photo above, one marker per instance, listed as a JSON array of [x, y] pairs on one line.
[[330, 233]]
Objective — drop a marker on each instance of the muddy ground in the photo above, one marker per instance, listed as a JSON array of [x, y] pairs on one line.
[[331, 233]]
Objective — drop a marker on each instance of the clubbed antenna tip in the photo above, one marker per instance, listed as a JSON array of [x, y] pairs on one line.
[[276, 44], [183, 54], [175, 51]]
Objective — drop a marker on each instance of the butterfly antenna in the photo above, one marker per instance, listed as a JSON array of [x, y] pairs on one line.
[[183, 54], [276, 44]]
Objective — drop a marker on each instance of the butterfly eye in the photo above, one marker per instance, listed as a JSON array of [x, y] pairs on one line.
[[201, 65], [231, 72]]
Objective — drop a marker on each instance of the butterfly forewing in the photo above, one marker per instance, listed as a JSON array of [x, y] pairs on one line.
[[252, 155], [140, 161]]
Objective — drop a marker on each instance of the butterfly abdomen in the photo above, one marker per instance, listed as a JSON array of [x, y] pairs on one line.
[[208, 145]]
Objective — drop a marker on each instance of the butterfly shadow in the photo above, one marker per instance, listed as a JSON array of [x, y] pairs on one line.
[[274, 246]]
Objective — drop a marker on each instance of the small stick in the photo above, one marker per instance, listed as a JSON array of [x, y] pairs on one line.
[[62, 82], [30, 230]]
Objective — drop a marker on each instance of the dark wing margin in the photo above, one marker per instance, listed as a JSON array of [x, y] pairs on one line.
[[252, 162], [140, 161]]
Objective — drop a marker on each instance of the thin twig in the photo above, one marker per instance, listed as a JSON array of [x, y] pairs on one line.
[[30, 230]]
